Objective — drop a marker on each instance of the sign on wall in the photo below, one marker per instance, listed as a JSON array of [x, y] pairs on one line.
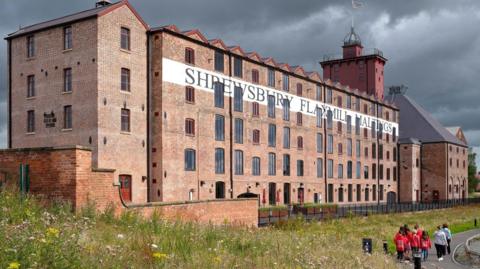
[[186, 75]]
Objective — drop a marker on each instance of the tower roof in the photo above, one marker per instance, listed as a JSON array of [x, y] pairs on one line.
[[352, 38]]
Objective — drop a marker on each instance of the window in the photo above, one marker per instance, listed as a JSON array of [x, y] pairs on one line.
[[330, 144], [219, 62], [299, 118], [238, 99], [271, 106], [374, 129], [31, 121], [380, 131], [219, 161], [394, 154], [357, 103], [374, 192], [219, 128], [380, 193], [365, 171], [329, 95], [285, 83], [255, 76], [190, 127], [300, 142], [394, 173], [300, 168], [189, 56], [330, 168], [366, 151], [299, 89], [286, 137], [349, 124], [367, 194], [330, 193], [125, 81], [219, 190], [271, 164], [319, 167], [340, 171], [67, 80], [380, 171], [67, 37], [286, 109], [339, 101], [256, 137], [319, 117], [125, 38], [357, 125], [271, 77], [189, 94], [349, 101], [374, 150], [380, 151], [286, 164], [340, 194], [31, 86], [125, 120], [374, 171], [349, 147], [394, 134], [272, 135], [30, 46], [329, 119], [319, 142], [190, 160], [357, 148], [238, 131], [67, 117], [388, 173], [359, 192], [238, 162], [339, 127], [318, 93], [349, 169], [256, 166], [237, 67], [255, 109], [350, 192], [358, 170], [340, 148], [218, 92], [388, 155], [272, 193]]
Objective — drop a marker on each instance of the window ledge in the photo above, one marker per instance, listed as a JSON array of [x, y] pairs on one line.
[[69, 92], [126, 51], [30, 58], [32, 133], [125, 133], [31, 98], [125, 92], [67, 50], [67, 130]]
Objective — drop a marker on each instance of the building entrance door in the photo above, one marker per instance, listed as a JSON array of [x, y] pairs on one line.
[[301, 194], [126, 187]]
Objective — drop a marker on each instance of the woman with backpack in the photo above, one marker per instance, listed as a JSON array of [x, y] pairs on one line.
[[440, 242]]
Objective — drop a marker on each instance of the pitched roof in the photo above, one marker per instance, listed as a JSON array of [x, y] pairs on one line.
[[416, 122], [82, 15]]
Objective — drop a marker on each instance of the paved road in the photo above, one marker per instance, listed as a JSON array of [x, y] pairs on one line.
[[448, 263]]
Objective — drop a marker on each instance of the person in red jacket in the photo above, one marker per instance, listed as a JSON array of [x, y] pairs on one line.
[[425, 245], [408, 242], [415, 242], [399, 241], [418, 230]]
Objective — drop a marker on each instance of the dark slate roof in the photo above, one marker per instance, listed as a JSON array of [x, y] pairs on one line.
[[416, 122], [62, 20]]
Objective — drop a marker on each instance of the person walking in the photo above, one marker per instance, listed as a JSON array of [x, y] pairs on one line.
[[448, 234], [425, 245], [399, 241], [417, 230], [408, 242], [440, 242]]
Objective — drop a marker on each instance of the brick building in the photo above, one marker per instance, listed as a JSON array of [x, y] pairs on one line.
[[433, 163], [182, 117]]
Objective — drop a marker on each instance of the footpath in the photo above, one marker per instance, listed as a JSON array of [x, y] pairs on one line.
[[448, 262]]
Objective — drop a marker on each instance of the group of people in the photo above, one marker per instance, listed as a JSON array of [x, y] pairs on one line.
[[416, 242]]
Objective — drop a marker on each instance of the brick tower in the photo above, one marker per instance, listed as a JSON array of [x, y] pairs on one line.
[[357, 68]]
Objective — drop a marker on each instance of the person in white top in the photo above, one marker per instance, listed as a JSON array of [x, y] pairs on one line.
[[448, 234], [440, 241]]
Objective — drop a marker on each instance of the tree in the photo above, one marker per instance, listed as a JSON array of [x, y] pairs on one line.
[[472, 170]]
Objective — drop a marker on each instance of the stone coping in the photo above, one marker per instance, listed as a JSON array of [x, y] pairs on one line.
[[467, 245], [159, 204], [47, 148]]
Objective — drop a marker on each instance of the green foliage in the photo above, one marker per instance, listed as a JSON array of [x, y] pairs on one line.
[[36, 236], [273, 208], [472, 170]]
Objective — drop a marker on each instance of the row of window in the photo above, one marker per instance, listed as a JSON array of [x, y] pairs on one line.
[[358, 193], [68, 40], [68, 119], [190, 165], [238, 72]]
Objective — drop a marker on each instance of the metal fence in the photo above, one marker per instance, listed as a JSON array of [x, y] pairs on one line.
[[268, 217]]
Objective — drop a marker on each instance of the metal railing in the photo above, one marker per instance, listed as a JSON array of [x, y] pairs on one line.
[[320, 213], [365, 52]]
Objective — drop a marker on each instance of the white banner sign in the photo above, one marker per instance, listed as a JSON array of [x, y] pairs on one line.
[[186, 75]]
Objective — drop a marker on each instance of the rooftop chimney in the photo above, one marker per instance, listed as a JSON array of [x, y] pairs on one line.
[[102, 3]]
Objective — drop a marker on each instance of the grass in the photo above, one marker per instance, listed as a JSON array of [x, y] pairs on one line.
[[35, 236]]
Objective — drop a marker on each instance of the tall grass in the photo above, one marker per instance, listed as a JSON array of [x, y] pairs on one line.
[[35, 236]]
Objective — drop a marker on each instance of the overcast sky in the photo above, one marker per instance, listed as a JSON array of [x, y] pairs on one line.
[[433, 46]]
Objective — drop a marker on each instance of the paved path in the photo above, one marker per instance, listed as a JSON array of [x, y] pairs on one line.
[[448, 263]]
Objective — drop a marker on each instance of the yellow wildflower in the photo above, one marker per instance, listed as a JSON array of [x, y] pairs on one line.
[[52, 232], [14, 265], [217, 259], [159, 255]]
